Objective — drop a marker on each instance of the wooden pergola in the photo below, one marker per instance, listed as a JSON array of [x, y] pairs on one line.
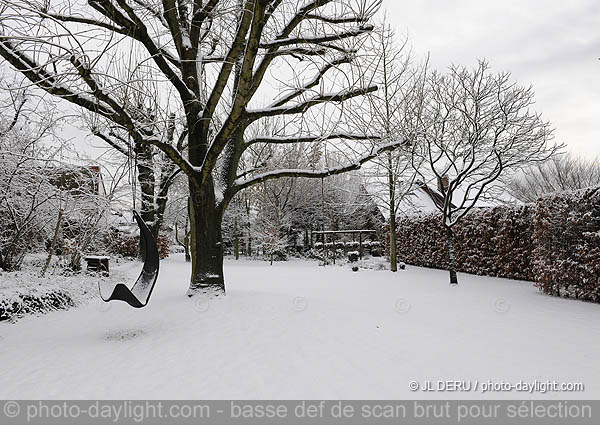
[[353, 232]]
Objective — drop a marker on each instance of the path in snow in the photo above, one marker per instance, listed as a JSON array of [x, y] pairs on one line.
[[296, 330]]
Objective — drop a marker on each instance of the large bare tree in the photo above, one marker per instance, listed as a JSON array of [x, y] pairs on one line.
[[217, 60], [476, 130]]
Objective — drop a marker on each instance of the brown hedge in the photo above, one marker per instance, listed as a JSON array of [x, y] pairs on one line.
[[128, 245], [554, 242]]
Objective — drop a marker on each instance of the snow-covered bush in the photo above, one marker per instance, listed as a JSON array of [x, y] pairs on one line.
[[21, 303]]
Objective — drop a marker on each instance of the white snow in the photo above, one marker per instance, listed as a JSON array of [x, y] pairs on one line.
[[80, 287], [297, 330]]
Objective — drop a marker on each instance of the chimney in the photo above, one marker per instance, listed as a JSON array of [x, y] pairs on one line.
[[443, 183]]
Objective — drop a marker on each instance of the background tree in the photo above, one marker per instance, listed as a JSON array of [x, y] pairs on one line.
[[390, 113], [155, 172], [476, 130], [177, 214], [561, 173], [27, 208], [46, 202], [70, 50]]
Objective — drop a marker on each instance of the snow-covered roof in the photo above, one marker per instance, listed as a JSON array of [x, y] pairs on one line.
[[423, 198]]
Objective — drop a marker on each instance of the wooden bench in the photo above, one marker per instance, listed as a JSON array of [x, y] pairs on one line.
[[98, 263]]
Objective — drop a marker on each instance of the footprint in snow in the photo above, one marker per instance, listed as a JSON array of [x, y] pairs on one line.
[[124, 334]]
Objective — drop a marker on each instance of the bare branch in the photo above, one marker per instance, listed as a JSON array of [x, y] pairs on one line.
[[304, 106], [242, 184]]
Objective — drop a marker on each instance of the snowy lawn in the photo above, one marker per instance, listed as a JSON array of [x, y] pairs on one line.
[[296, 330]]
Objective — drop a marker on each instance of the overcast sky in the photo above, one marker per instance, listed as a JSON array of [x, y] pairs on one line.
[[554, 45]]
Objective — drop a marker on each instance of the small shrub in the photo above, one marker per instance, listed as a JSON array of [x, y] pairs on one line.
[[29, 303]]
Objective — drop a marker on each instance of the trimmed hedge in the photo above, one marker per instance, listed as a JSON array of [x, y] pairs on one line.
[[566, 257], [128, 245], [554, 242]]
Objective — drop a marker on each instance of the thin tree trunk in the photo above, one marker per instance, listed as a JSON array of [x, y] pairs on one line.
[[185, 243], [186, 247], [248, 230], [54, 241], [393, 249], [186, 238], [451, 256], [392, 190], [236, 239]]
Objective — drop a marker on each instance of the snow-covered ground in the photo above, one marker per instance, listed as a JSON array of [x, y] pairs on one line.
[[80, 287], [296, 330]]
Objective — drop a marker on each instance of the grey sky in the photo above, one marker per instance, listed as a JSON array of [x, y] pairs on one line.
[[554, 45]]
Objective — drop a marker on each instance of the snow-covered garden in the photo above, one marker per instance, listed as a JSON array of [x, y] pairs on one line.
[[280, 199], [306, 332]]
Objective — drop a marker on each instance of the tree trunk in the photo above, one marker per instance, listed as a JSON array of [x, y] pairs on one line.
[[392, 205], [451, 257], [206, 243], [186, 247], [393, 253], [185, 243], [236, 239], [54, 241], [186, 238], [145, 175]]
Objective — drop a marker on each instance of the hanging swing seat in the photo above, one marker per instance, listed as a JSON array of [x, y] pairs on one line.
[[139, 294]]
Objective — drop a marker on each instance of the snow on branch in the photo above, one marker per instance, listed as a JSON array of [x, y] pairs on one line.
[[336, 20], [18, 109], [272, 49], [240, 183], [46, 81], [317, 39], [237, 47], [86, 75], [175, 155], [301, 51], [87, 21], [138, 31], [200, 14], [153, 11], [110, 140], [313, 82], [312, 139], [301, 107], [117, 29]]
